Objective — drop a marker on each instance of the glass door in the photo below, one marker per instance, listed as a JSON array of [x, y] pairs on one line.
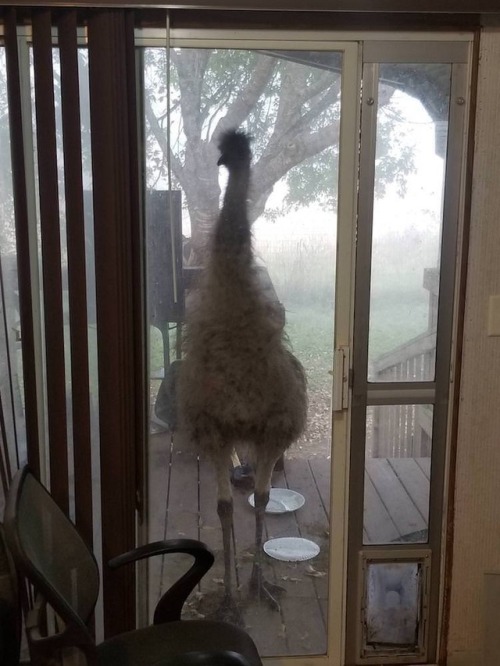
[[356, 209], [413, 119], [299, 104], [372, 496]]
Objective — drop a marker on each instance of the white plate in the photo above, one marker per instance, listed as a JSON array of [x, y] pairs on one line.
[[291, 549], [281, 500]]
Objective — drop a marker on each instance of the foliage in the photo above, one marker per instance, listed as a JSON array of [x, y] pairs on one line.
[[394, 158], [289, 101], [289, 104]]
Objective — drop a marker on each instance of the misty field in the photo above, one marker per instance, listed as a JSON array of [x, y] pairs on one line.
[[303, 275]]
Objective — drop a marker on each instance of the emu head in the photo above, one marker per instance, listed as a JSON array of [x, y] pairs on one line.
[[235, 149]]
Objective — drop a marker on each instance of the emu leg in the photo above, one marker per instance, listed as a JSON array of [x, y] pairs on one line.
[[259, 586], [228, 611]]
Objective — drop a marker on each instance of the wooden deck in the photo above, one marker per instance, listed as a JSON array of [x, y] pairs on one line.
[[396, 500], [183, 504]]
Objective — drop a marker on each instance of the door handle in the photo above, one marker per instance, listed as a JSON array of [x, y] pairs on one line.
[[340, 379]]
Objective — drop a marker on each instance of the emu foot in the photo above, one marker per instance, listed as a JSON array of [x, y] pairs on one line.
[[264, 589], [229, 611]]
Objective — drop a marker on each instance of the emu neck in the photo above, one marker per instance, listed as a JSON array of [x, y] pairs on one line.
[[232, 231]]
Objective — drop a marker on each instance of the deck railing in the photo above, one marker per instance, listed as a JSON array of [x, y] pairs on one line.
[[405, 431]]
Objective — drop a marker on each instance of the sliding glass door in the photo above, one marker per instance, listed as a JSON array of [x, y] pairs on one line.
[[413, 114], [356, 206], [292, 102]]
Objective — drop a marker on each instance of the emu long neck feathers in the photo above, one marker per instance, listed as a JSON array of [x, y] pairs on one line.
[[232, 231]]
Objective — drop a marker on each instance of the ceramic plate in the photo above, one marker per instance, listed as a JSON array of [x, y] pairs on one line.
[[281, 500], [291, 549]]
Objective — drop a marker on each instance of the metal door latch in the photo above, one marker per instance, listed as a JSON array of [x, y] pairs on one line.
[[341, 379]]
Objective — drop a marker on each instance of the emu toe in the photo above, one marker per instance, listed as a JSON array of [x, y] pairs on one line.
[[265, 590], [229, 611]]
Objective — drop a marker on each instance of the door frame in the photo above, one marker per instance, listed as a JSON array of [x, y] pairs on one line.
[[344, 281], [354, 47], [437, 392]]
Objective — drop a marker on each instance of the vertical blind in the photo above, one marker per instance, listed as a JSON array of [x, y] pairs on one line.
[[91, 472]]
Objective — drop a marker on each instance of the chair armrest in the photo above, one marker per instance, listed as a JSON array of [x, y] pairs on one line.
[[197, 549], [218, 658], [170, 605]]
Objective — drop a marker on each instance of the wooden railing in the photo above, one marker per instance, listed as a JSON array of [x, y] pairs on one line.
[[402, 431], [411, 362]]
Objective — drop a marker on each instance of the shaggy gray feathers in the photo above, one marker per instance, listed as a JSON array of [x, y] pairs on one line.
[[239, 380]]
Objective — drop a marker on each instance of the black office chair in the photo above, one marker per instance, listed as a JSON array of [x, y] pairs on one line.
[[50, 554], [10, 611]]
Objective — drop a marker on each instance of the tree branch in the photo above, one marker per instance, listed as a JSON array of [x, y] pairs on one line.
[[325, 82], [289, 98], [191, 65], [248, 97], [320, 105], [159, 135], [272, 167], [296, 144]]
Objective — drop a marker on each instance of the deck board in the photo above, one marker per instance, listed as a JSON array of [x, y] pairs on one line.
[[265, 625], [181, 516], [321, 471], [398, 503], [210, 529], [415, 483], [183, 503], [425, 466], [160, 457], [299, 588], [312, 520], [183, 511], [290, 575], [379, 526], [308, 634]]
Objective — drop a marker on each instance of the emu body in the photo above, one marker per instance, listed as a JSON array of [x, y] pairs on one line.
[[239, 381]]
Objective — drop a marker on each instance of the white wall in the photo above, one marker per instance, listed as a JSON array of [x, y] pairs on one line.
[[477, 523]]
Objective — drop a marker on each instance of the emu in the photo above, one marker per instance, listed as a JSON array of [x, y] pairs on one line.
[[239, 381]]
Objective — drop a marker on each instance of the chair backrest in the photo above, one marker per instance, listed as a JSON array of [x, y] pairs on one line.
[[10, 609], [49, 552]]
